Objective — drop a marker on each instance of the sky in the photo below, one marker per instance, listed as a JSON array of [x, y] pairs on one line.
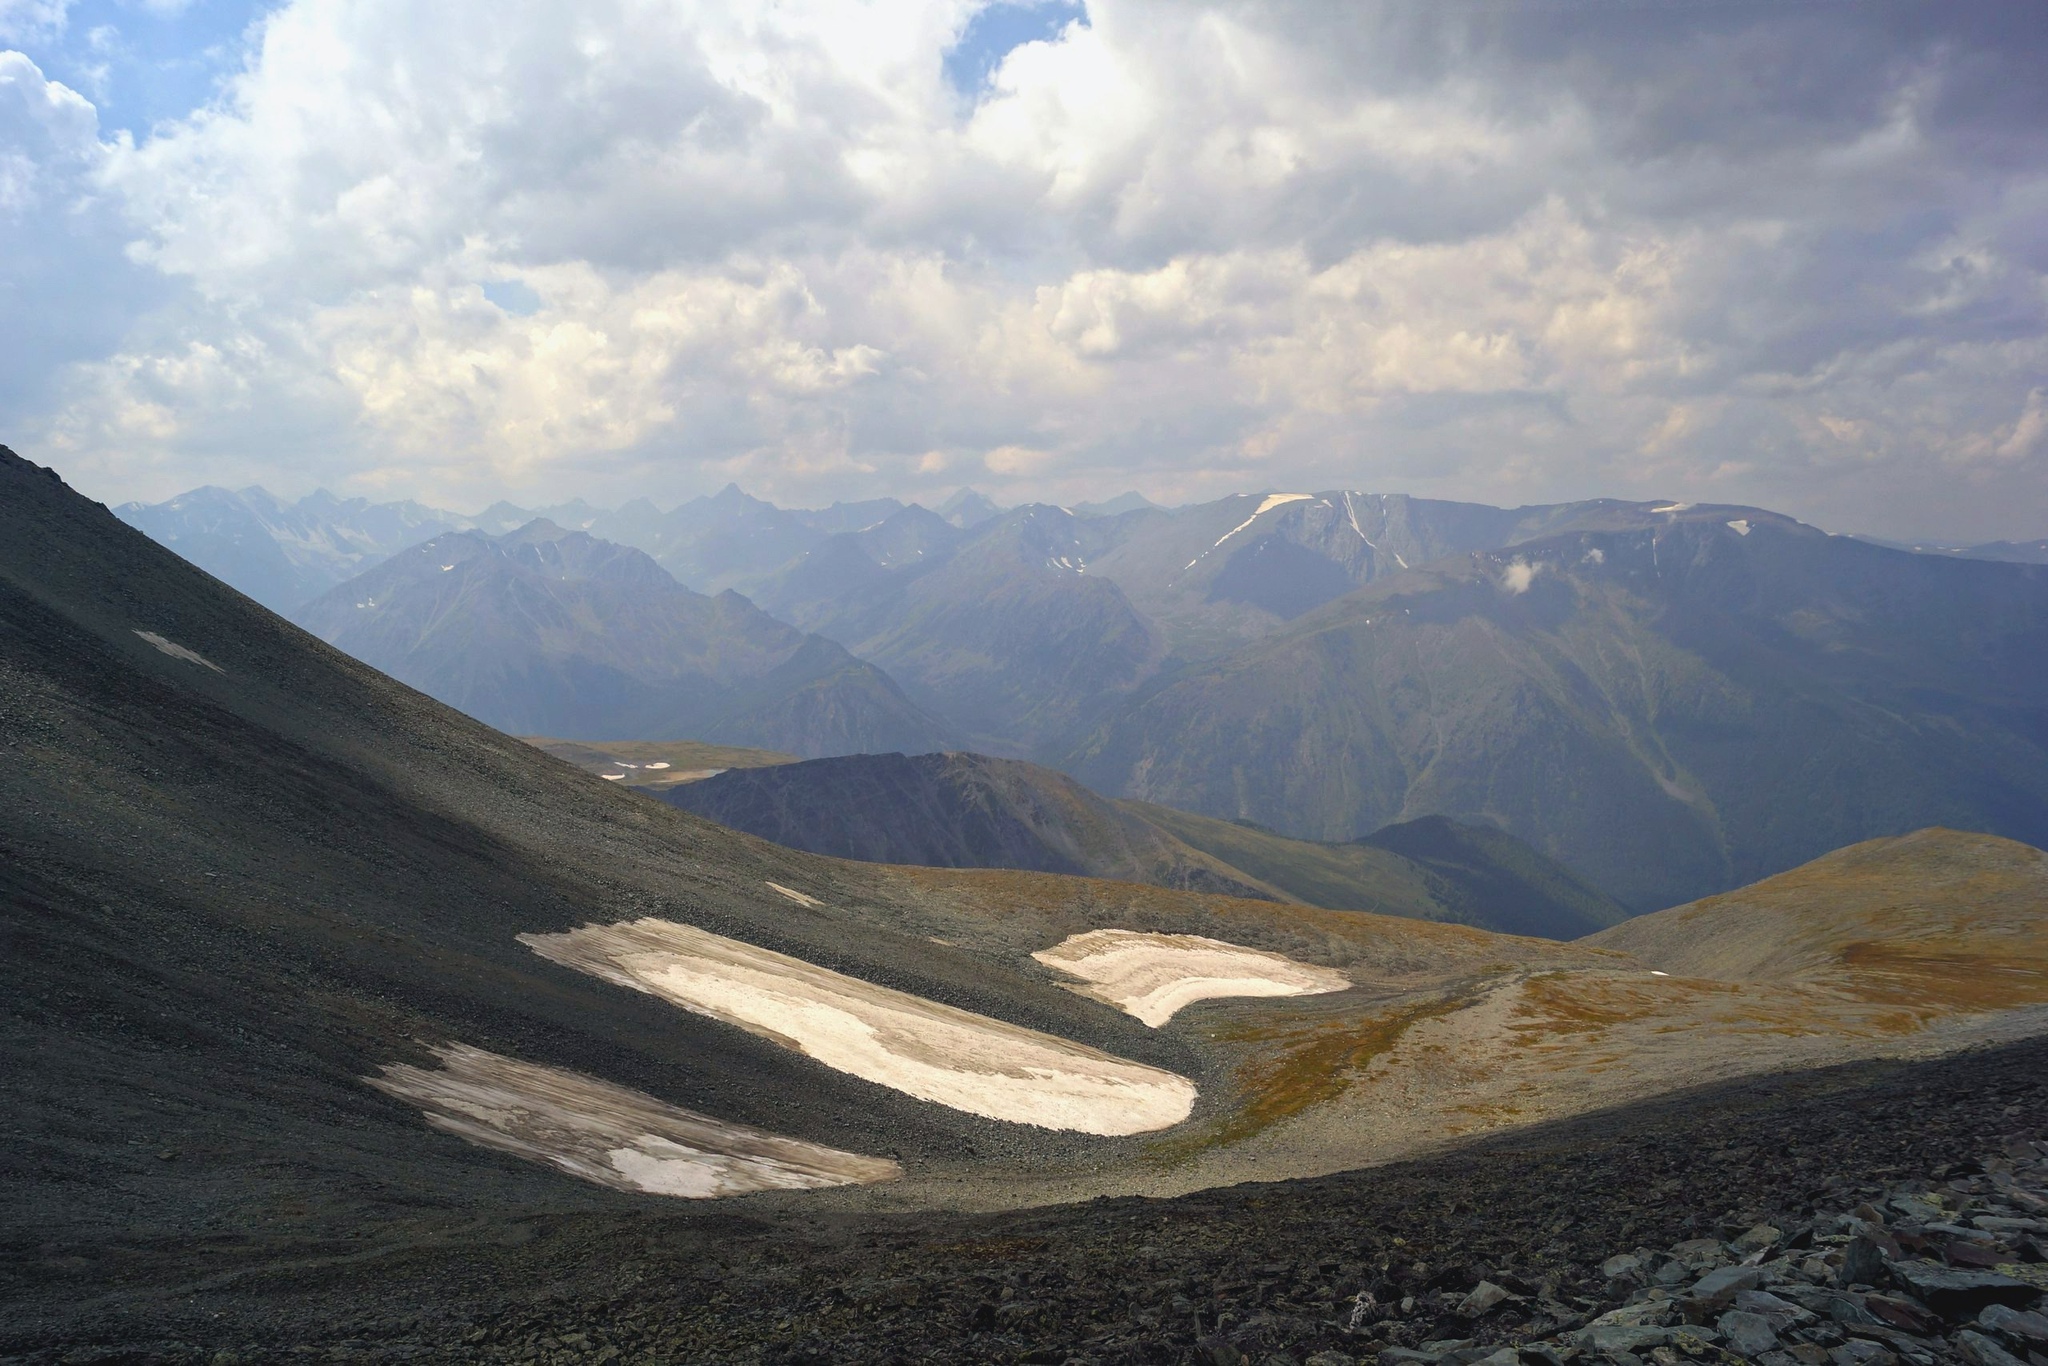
[[1792, 254]]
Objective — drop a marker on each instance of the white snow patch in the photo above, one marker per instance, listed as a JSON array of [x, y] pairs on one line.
[[624, 1139], [1655, 973], [931, 1051], [177, 651], [1271, 501], [1518, 576], [655, 766], [1672, 507], [798, 897], [1740, 526], [1594, 556], [1153, 976], [446, 567], [611, 777]]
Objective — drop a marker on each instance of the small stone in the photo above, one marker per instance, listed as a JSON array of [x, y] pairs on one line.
[[1406, 1356], [1758, 1238], [1620, 1265], [1484, 1299], [1862, 1352], [1506, 1356], [1979, 1350], [1700, 1253], [1747, 1334], [1218, 1352], [1330, 1359], [1862, 1262], [1721, 1287]]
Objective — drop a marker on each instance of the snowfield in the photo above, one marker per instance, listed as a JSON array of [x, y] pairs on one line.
[[613, 1136], [1154, 976], [922, 1048]]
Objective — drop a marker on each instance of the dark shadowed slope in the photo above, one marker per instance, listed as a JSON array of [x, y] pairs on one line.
[[970, 811], [1432, 868], [241, 872], [559, 633], [655, 763], [1670, 711], [954, 811]]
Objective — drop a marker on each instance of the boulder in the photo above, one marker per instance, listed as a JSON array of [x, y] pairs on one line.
[[1979, 1350], [1747, 1334], [2014, 1325], [1958, 1294]]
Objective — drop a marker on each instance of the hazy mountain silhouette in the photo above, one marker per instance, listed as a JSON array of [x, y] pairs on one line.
[[545, 631], [1672, 710]]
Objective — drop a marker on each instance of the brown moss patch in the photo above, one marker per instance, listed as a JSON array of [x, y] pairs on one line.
[[1297, 1067], [1934, 975]]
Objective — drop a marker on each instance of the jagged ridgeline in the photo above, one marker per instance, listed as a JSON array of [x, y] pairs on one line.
[[1668, 700]]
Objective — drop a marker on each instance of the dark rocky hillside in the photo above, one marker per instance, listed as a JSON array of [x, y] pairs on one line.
[[970, 811], [954, 811]]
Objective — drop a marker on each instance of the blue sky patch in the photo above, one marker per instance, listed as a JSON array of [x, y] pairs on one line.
[[1003, 26]]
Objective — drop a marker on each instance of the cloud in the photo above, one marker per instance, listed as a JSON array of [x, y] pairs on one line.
[[21, 20], [1517, 577], [1506, 253]]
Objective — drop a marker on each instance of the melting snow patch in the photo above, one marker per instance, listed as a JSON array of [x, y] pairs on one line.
[[931, 1051], [1152, 976], [798, 897], [446, 567], [612, 777], [177, 651], [1594, 556], [1672, 507], [1740, 526], [1655, 973], [615, 1137], [655, 766]]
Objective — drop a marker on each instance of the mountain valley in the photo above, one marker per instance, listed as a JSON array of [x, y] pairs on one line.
[[308, 973]]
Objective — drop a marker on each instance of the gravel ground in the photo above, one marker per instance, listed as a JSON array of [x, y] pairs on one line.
[[1252, 1273]]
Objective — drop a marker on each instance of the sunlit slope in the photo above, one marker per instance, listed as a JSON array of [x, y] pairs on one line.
[[1938, 919], [1897, 947]]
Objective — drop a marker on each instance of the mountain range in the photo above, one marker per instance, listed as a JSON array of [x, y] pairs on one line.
[[1670, 700], [324, 1003], [971, 811], [1671, 708], [556, 632]]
